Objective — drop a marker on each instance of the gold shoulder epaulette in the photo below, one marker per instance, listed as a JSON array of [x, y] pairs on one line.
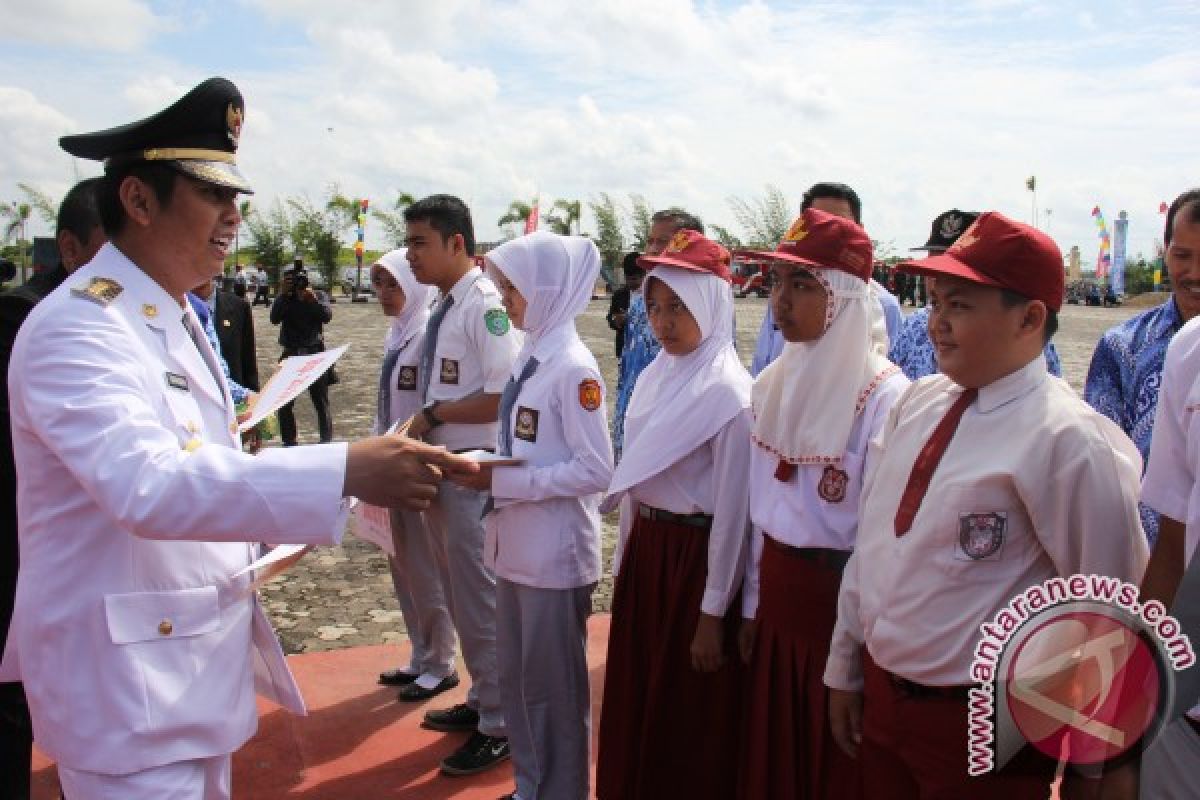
[[99, 290]]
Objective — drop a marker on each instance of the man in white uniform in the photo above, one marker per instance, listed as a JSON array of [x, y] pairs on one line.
[[139, 648]]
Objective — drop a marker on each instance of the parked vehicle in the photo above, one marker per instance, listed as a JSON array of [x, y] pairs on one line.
[[750, 276]]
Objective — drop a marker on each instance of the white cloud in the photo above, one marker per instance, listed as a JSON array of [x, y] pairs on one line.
[[121, 25]]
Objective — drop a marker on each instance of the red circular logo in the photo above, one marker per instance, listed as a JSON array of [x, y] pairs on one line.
[[1084, 686]]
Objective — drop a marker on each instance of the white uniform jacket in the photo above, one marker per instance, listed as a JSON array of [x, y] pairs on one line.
[[545, 531], [136, 507]]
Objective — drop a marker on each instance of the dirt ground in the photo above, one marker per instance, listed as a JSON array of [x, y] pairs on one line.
[[342, 596]]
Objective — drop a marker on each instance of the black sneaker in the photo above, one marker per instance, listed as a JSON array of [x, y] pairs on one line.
[[455, 719], [481, 752]]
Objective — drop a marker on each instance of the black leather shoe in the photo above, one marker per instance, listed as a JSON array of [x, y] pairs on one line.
[[455, 719], [412, 693], [396, 677], [480, 753]]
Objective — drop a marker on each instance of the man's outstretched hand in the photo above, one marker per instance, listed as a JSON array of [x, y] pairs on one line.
[[394, 471]]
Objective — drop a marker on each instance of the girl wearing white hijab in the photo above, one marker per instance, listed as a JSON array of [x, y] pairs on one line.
[[543, 529], [815, 410], [418, 566], [673, 688]]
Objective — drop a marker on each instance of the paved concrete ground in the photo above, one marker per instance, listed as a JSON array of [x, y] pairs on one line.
[[342, 596]]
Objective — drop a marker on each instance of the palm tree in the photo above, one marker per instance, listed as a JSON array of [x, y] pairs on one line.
[[563, 215], [518, 213], [393, 221], [18, 217]]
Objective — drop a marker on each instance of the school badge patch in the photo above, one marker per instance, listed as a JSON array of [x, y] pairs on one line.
[[527, 424], [406, 378], [449, 371], [496, 320], [832, 487], [590, 394], [101, 291], [981, 534]]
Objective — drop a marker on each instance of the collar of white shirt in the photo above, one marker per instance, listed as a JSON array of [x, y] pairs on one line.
[[1012, 386], [460, 289]]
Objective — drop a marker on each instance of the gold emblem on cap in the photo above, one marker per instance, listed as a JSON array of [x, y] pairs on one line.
[[99, 290], [149, 310], [679, 242], [233, 121], [796, 232]]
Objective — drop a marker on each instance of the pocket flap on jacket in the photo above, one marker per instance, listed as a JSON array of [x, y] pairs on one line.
[[145, 616]]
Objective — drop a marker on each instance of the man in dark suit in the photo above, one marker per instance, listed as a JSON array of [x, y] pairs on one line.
[[235, 331], [618, 308], [79, 236]]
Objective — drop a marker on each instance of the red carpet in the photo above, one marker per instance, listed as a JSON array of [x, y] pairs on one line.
[[357, 742]]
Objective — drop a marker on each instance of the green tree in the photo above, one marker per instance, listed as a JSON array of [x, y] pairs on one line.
[[244, 209], [610, 240], [17, 214], [640, 215], [317, 231], [563, 216], [725, 238], [44, 204], [765, 219], [269, 235], [517, 213], [394, 227]]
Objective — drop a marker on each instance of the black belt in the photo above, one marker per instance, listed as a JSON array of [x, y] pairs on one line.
[[826, 557], [919, 691], [658, 515]]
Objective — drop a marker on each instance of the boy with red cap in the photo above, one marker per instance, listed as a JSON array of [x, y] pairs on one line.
[[986, 480], [815, 409], [673, 688]]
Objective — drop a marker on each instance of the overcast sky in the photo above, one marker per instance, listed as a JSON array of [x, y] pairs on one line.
[[921, 106]]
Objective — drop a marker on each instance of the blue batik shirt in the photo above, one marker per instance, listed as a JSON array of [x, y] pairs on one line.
[[913, 352], [1125, 375], [238, 392], [640, 349]]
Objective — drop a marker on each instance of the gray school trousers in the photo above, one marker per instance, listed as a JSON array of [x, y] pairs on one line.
[[418, 569]]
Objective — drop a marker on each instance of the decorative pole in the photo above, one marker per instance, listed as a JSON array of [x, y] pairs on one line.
[[358, 246]]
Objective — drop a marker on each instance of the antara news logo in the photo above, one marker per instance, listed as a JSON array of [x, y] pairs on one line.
[[1078, 668]]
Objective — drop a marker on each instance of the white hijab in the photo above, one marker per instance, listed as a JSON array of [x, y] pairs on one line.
[[417, 299], [680, 402], [555, 274], [805, 403]]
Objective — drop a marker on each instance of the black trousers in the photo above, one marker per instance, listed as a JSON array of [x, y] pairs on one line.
[[16, 743], [319, 392]]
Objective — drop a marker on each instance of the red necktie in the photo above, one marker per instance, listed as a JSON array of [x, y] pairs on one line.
[[928, 460]]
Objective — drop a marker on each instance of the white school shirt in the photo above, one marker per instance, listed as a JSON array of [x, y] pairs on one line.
[[404, 381], [545, 531], [1062, 480], [709, 480], [797, 513], [1170, 486], [476, 346]]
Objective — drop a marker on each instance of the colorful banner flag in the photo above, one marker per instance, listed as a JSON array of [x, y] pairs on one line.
[[531, 222], [1116, 278], [1103, 255]]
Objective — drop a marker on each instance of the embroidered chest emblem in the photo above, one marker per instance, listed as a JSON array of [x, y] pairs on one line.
[[832, 487], [406, 378], [449, 371], [527, 424], [981, 535], [590, 395]]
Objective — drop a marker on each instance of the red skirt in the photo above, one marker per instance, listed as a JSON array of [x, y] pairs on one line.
[[789, 751], [666, 730]]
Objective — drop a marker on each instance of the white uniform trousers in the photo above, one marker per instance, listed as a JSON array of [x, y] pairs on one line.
[[541, 638], [1171, 765], [455, 520], [199, 779], [417, 571]]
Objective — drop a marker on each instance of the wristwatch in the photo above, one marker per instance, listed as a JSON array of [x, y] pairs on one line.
[[429, 412]]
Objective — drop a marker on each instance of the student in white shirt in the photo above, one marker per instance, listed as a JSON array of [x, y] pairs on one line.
[[419, 565], [673, 686], [543, 534], [986, 480], [815, 409]]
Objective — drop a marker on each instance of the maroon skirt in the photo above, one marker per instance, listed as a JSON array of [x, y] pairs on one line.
[[666, 730], [788, 748]]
